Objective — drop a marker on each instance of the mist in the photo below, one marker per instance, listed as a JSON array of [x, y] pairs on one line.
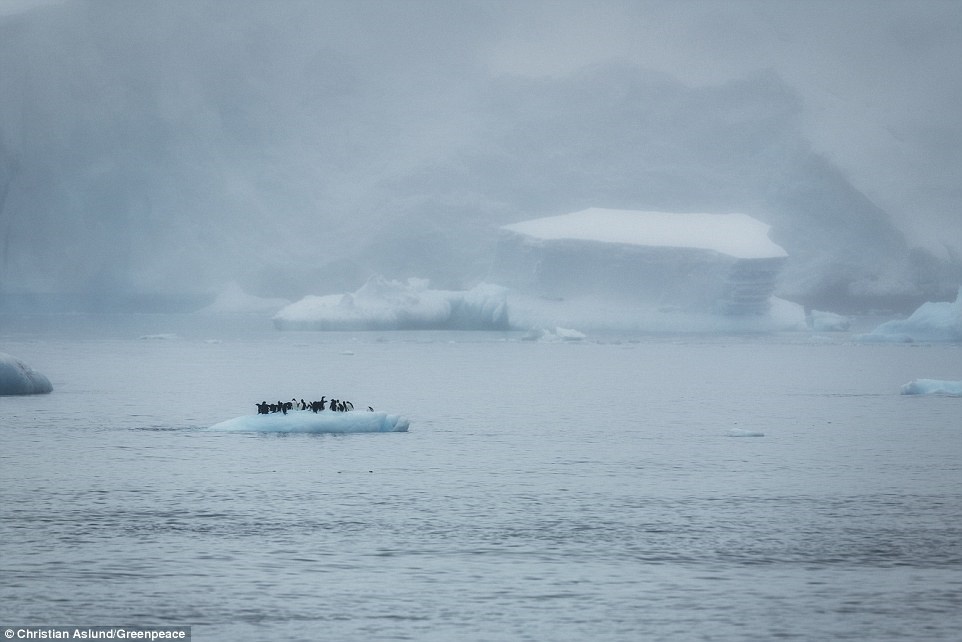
[[152, 154]]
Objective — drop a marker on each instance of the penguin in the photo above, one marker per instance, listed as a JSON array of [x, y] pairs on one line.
[[370, 409], [348, 405]]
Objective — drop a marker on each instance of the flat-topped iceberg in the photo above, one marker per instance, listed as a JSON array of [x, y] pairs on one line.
[[933, 387], [17, 378], [719, 264], [932, 321], [382, 304], [303, 421]]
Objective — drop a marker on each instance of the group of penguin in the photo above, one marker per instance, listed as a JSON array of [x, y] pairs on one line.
[[335, 405]]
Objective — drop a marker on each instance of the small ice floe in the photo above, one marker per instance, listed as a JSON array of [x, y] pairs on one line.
[[741, 432], [304, 421], [933, 387], [554, 335], [163, 336]]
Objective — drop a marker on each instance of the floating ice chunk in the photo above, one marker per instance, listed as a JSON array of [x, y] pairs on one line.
[[17, 378], [382, 304], [933, 387], [741, 432], [557, 334], [319, 422], [932, 321], [234, 300], [828, 321], [162, 336]]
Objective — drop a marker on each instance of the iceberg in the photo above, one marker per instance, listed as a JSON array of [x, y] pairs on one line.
[[17, 378], [598, 269], [932, 321], [382, 304], [691, 262], [303, 421], [933, 387]]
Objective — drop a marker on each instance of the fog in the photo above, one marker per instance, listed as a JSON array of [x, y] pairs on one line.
[[151, 154]]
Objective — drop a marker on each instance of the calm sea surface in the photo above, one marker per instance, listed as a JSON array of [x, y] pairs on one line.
[[602, 490]]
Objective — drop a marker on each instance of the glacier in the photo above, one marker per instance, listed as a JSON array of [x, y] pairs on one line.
[[17, 378], [932, 321], [303, 421]]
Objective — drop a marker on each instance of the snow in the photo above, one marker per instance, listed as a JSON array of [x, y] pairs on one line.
[[932, 321], [933, 387], [717, 264], [305, 421], [234, 300], [17, 378], [737, 235], [382, 304]]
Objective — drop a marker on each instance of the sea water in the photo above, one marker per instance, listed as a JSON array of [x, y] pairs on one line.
[[616, 488]]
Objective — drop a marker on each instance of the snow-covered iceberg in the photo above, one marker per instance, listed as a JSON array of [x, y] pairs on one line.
[[17, 378], [932, 321], [382, 304], [933, 387], [686, 262], [598, 269], [303, 421]]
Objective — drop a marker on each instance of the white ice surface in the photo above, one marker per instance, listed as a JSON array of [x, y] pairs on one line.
[[737, 235], [382, 304], [17, 378], [933, 387], [320, 422], [932, 321]]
